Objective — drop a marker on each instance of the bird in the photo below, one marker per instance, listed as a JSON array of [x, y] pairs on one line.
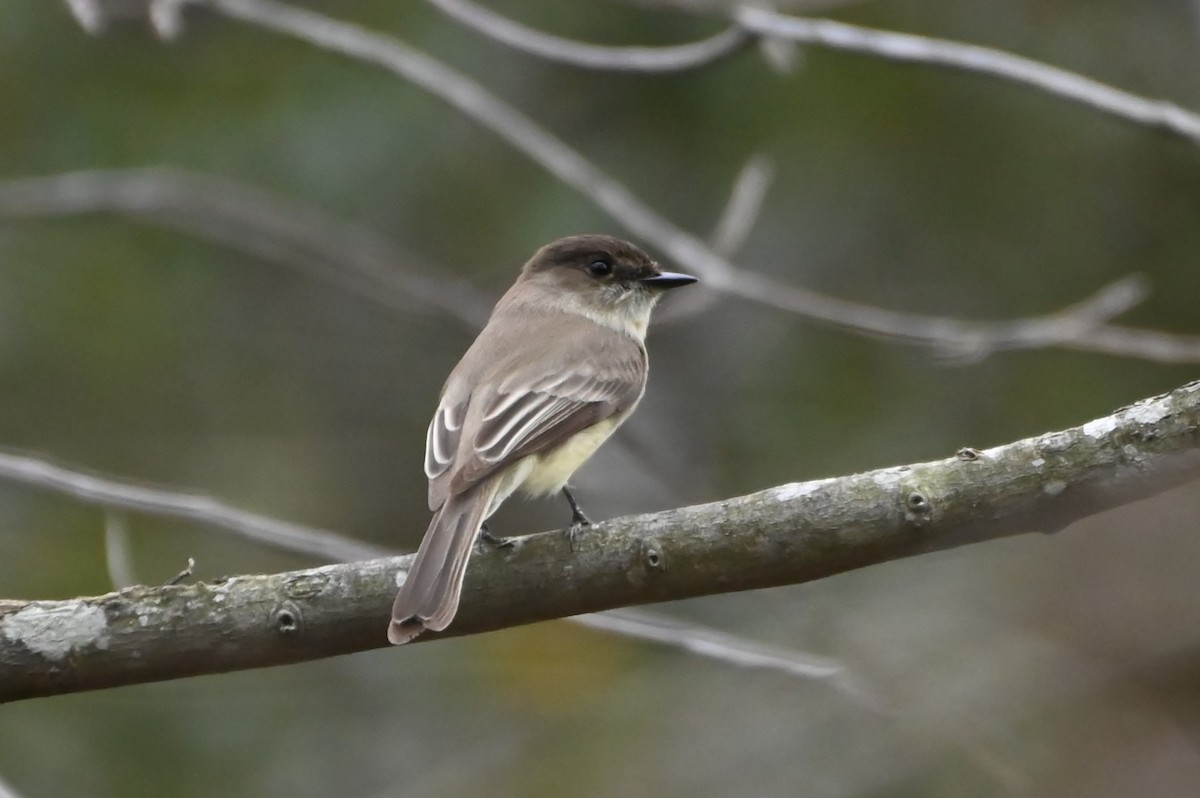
[[560, 364]]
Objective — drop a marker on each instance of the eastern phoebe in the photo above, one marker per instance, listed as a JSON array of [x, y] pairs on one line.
[[560, 364]]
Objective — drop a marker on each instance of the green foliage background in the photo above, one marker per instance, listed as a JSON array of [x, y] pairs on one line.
[[1038, 666]]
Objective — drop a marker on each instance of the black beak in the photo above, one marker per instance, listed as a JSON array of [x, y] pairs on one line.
[[665, 280]]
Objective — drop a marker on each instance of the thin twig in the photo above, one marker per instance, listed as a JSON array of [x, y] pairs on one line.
[[565, 163], [723, 6], [1153, 345], [955, 338], [744, 205], [730, 649], [977, 59], [117, 552], [1074, 323], [252, 220], [186, 573], [673, 58], [113, 493], [709, 642]]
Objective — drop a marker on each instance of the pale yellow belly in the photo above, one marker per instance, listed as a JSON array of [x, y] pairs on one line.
[[551, 470]]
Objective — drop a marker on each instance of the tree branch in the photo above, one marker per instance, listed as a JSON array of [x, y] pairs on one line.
[[745, 202], [293, 234], [674, 58], [949, 336], [565, 163], [785, 535], [114, 494], [252, 220], [976, 59]]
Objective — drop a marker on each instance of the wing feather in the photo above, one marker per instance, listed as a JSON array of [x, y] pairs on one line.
[[441, 440], [483, 425], [518, 423]]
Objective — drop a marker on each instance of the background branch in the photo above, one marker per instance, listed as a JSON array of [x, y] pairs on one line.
[[252, 220], [676, 58], [690, 252], [979, 60], [117, 554], [745, 203], [364, 263], [115, 494], [786, 535]]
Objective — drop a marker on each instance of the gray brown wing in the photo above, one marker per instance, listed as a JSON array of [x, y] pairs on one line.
[[442, 441], [522, 416]]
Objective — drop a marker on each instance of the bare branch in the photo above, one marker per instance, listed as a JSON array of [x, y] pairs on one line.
[[1078, 327], [744, 205], [252, 220], [725, 6], [749, 20], [562, 161], [1069, 325], [786, 535], [676, 58], [114, 493], [186, 573], [171, 504], [1152, 345], [703, 640], [110, 493], [362, 262], [945, 335], [730, 649], [974, 58], [117, 553]]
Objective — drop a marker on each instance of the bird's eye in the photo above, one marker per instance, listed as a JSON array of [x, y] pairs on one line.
[[600, 268]]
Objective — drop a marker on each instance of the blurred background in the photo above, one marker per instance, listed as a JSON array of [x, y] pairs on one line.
[[1035, 665]]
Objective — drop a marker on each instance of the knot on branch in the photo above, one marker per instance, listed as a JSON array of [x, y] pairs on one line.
[[918, 510], [287, 619]]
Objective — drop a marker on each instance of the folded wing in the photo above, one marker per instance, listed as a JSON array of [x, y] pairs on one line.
[[472, 436]]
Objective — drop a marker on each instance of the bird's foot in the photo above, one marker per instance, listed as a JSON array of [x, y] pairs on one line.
[[575, 532], [579, 521], [494, 541]]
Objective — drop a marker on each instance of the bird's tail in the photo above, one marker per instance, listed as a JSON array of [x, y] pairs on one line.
[[428, 599]]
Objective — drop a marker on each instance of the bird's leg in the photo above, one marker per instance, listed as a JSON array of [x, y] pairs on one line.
[[494, 541], [577, 516], [578, 519]]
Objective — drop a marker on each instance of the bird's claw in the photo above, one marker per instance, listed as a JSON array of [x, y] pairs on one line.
[[575, 530], [494, 541]]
